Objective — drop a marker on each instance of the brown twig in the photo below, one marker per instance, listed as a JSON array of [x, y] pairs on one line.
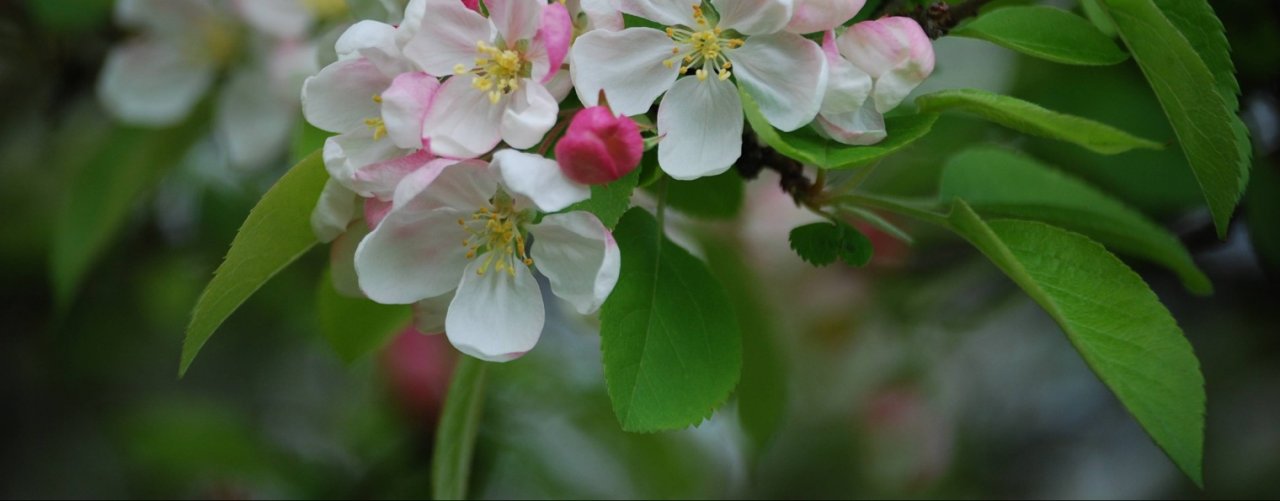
[[939, 18]]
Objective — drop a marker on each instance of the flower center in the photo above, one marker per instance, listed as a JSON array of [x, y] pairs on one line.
[[494, 235], [497, 71], [376, 124], [702, 48]]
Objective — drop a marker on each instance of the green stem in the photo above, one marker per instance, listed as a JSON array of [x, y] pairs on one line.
[[907, 208], [456, 434]]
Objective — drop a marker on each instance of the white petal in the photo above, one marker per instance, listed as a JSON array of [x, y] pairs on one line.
[[754, 17], [863, 126], [897, 84], [411, 22], [496, 316], [405, 104], [412, 256], [538, 178], [701, 125], [786, 74], [346, 154], [579, 257], [429, 314], [379, 180], [254, 122], [847, 85], [602, 14], [516, 19], [279, 18], [461, 122], [530, 112], [148, 82], [626, 64], [560, 86], [334, 211], [376, 42], [341, 97], [465, 186], [667, 12], [447, 37], [812, 16]]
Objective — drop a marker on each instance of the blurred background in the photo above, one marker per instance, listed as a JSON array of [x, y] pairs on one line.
[[926, 374]]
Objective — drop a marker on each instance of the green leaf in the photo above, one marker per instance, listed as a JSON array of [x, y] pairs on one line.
[[807, 147], [1112, 318], [1046, 33], [1197, 21], [820, 244], [762, 393], [104, 192], [356, 326], [277, 232], [672, 348], [609, 201], [1032, 119], [1204, 124], [714, 197], [996, 182], [456, 433]]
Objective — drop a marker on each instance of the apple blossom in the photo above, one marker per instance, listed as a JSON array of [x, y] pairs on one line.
[[874, 65], [375, 102], [500, 65], [700, 119], [599, 147], [894, 51], [157, 77], [496, 311]]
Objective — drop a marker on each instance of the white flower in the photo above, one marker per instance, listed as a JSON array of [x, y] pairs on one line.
[[459, 234], [500, 65], [874, 66], [701, 118], [375, 102], [156, 78]]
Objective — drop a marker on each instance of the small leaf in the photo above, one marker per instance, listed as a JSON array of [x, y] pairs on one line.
[[1032, 119], [104, 192], [672, 348], [996, 182], [356, 326], [807, 147], [609, 201], [1046, 33], [1209, 133], [277, 232], [762, 393], [1112, 318], [456, 434], [820, 244], [713, 197]]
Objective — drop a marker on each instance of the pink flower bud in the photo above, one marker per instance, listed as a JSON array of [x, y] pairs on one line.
[[599, 147], [896, 53]]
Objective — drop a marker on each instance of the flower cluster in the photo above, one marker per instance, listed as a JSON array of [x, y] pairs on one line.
[[430, 168], [179, 47]]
